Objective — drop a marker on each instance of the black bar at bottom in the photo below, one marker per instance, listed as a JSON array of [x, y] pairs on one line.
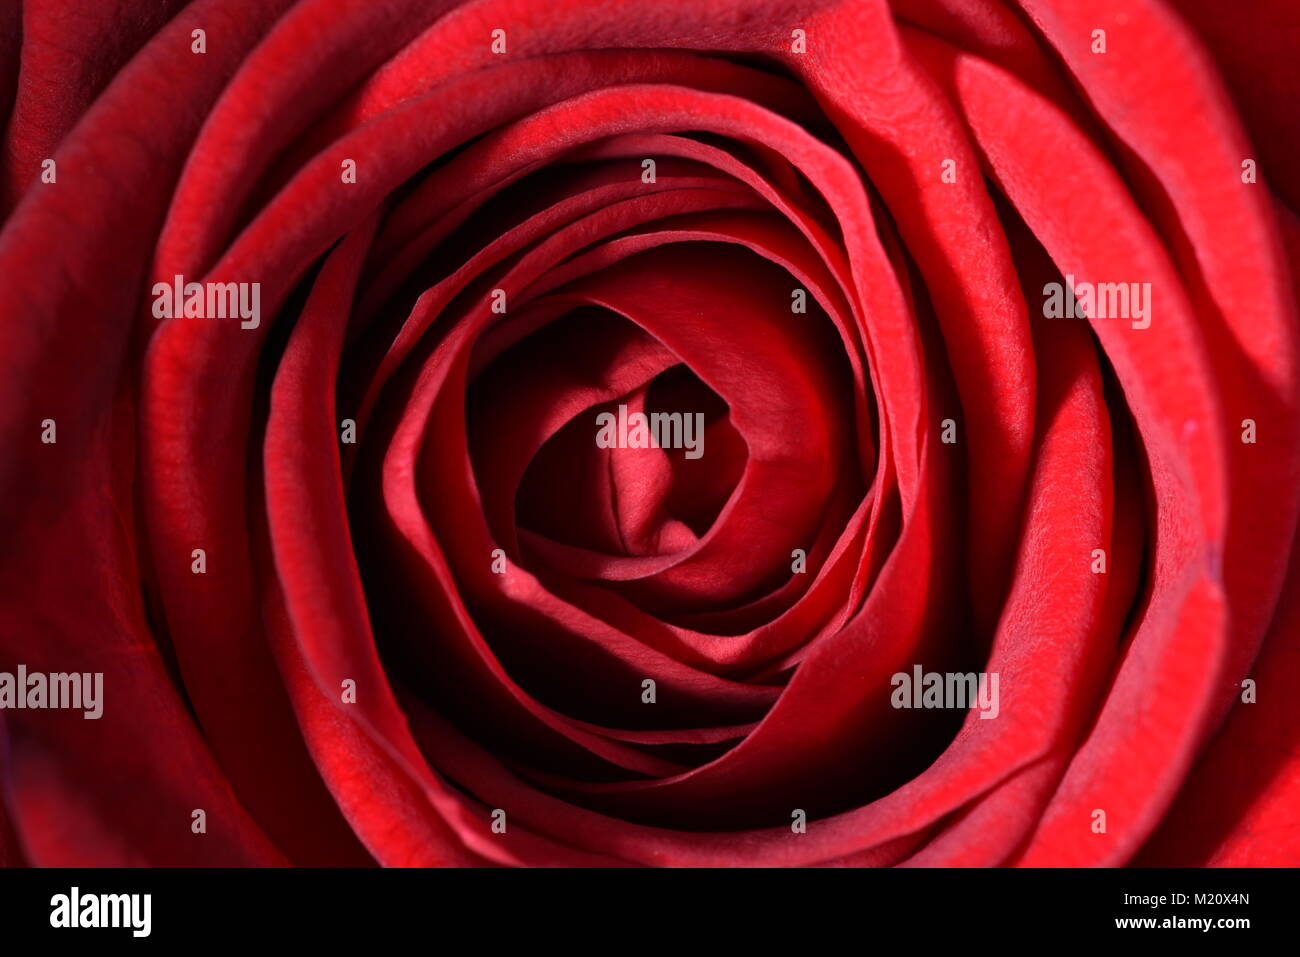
[[333, 907]]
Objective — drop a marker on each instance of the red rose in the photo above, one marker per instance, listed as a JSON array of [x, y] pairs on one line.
[[743, 433]]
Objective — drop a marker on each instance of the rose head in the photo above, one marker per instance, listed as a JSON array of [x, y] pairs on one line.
[[658, 433]]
